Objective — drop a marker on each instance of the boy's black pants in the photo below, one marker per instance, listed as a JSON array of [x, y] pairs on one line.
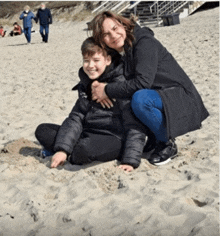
[[90, 147]]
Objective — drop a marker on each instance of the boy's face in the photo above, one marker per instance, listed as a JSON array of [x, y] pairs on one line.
[[95, 65]]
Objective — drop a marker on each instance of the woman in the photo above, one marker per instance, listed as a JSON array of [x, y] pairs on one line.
[[163, 96], [27, 17]]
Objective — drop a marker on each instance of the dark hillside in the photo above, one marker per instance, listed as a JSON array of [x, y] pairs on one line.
[[10, 8]]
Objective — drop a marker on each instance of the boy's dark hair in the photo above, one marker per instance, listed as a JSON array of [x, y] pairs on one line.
[[90, 47]]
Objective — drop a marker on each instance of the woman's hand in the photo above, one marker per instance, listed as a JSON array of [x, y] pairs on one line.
[[106, 103], [127, 168], [98, 91], [58, 159], [98, 94]]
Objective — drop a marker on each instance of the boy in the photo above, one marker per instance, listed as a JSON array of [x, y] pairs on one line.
[[93, 132]]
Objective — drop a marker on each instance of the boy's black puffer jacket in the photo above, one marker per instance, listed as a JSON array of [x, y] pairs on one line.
[[89, 116]]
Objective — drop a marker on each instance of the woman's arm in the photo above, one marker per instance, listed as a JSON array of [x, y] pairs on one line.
[[50, 17], [100, 88], [32, 16], [145, 63], [37, 17], [21, 16]]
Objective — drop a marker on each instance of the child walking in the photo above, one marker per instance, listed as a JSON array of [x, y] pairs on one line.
[[94, 132]]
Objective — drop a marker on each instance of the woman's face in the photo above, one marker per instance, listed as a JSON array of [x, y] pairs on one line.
[[114, 34]]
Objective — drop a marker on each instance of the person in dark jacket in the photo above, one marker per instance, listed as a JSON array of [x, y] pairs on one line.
[[45, 17], [163, 96], [27, 17], [93, 132]]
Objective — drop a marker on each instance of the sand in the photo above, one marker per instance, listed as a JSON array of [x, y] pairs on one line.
[[177, 199]]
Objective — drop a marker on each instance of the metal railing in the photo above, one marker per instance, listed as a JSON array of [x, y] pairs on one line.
[[166, 7], [116, 6], [99, 7], [105, 6], [133, 5], [121, 7]]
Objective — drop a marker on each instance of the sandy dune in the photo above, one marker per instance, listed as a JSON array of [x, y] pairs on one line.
[[177, 199]]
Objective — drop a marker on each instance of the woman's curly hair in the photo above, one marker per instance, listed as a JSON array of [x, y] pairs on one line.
[[97, 28]]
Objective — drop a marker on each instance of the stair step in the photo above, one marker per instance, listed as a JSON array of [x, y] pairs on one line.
[[147, 17], [143, 9], [144, 14], [149, 20]]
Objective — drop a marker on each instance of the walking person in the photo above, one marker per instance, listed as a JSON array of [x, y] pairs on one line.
[[45, 17], [27, 17]]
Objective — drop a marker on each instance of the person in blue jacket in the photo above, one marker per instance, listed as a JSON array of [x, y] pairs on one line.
[[45, 17], [27, 17]]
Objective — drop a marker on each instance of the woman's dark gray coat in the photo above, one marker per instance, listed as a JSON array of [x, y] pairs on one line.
[[148, 65]]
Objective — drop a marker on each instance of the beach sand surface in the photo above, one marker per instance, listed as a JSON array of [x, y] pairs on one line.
[[177, 199]]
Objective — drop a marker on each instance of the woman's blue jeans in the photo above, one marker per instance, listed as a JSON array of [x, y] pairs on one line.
[[147, 106], [27, 33]]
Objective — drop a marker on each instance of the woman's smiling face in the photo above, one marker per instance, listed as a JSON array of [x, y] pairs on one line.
[[114, 34]]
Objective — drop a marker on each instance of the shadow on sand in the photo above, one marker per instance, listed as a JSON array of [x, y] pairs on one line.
[[35, 152], [21, 44]]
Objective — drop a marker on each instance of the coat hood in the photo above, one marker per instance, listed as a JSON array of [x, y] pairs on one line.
[[138, 31], [138, 34]]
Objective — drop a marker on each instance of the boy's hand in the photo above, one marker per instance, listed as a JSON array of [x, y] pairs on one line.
[[58, 159], [127, 168]]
